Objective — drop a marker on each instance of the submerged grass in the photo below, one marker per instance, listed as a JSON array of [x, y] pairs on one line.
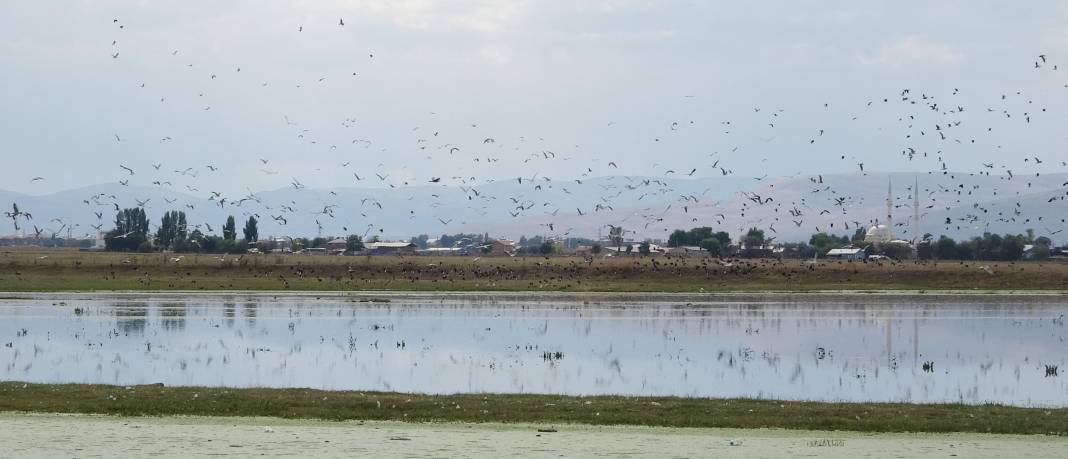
[[602, 410]]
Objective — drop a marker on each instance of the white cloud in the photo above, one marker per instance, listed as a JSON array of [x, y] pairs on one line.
[[914, 50]]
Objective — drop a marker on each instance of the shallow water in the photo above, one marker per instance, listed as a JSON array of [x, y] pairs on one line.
[[849, 348]]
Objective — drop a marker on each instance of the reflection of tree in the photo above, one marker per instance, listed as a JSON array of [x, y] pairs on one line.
[[229, 310], [172, 316], [131, 318], [249, 312]]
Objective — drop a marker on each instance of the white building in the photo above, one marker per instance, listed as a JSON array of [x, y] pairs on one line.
[[882, 233], [847, 253], [98, 243]]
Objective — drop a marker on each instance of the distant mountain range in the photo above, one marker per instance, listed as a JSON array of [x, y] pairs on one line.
[[788, 208]]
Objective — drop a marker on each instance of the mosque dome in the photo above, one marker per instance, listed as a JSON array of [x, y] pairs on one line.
[[878, 234]]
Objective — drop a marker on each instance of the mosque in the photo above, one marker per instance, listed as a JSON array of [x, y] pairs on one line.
[[882, 233]]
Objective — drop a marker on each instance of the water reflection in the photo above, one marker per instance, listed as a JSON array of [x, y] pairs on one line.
[[131, 318], [843, 348]]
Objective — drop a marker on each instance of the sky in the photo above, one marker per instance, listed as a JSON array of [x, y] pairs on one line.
[[648, 86]]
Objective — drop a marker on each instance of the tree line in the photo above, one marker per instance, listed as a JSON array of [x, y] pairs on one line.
[[718, 243], [989, 246], [132, 234]]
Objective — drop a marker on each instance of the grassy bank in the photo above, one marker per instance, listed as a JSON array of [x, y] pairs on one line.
[[645, 411], [44, 271]]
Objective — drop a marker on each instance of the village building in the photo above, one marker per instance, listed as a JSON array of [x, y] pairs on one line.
[[687, 251], [441, 251], [336, 245], [501, 248], [390, 248], [281, 244], [847, 253]]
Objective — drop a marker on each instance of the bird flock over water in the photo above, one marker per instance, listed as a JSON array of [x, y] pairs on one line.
[[933, 131]]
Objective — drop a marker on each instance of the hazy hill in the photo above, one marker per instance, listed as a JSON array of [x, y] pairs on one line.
[[645, 206]]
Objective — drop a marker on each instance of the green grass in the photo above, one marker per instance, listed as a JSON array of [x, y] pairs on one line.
[[645, 411]]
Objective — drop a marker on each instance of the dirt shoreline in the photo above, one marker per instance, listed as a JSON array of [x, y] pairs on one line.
[[43, 271], [52, 435], [371, 295]]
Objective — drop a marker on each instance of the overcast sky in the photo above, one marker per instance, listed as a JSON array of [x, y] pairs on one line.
[[591, 81]]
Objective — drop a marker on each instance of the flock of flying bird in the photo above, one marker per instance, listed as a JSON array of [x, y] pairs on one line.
[[935, 130]]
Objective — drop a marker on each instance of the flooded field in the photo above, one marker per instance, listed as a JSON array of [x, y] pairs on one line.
[[970, 349]]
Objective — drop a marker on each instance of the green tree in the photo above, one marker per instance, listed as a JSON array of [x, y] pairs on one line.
[[965, 251], [695, 235], [230, 229], [615, 234], [130, 232], [354, 243], [165, 233], [925, 250], [172, 230], [546, 248], [596, 249], [754, 239], [212, 244], [1012, 247], [946, 248], [713, 246], [678, 238], [644, 248], [252, 233], [859, 235], [824, 242], [1040, 252], [724, 239], [420, 241], [897, 251]]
